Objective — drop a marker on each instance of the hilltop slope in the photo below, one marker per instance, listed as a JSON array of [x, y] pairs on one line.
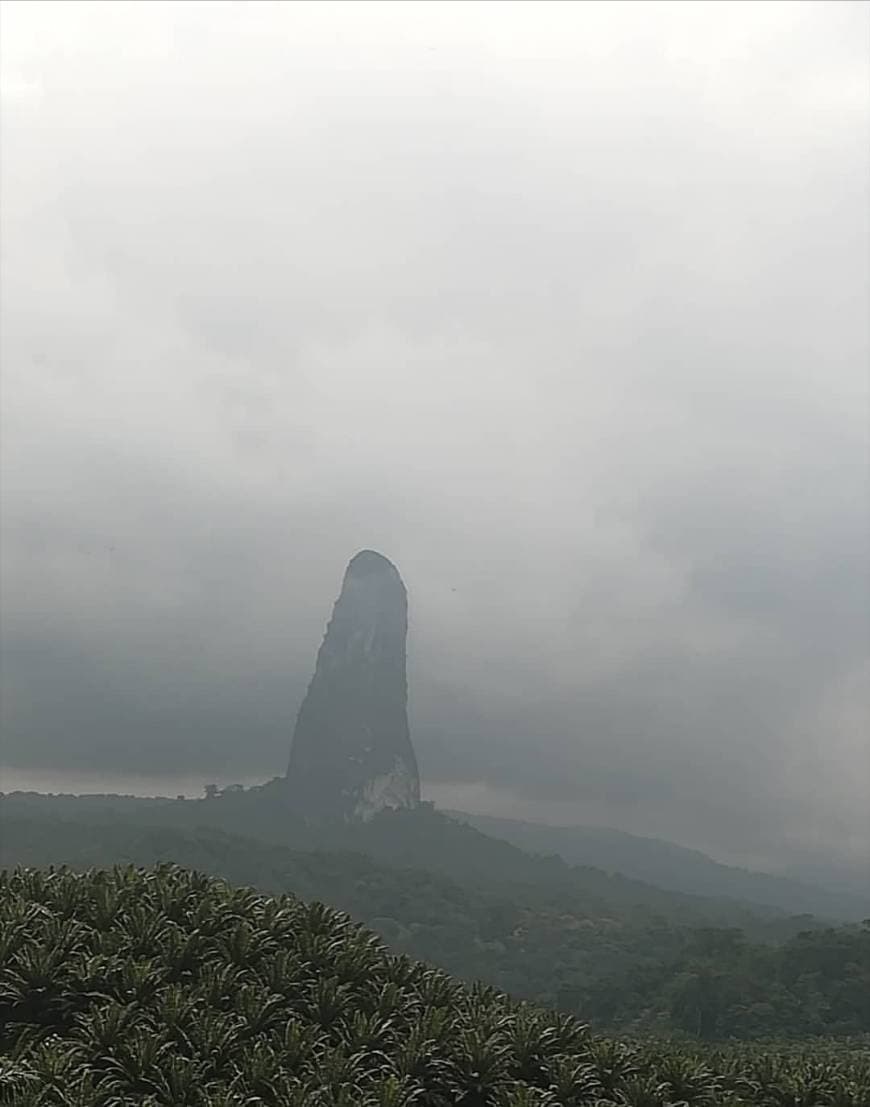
[[419, 839], [165, 987]]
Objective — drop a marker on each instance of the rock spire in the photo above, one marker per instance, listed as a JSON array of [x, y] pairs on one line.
[[351, 754]]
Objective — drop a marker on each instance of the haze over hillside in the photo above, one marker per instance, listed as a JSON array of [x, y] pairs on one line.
[[620, 952], [671, 866]]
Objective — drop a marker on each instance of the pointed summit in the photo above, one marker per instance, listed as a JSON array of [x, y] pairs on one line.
[[351, 754]]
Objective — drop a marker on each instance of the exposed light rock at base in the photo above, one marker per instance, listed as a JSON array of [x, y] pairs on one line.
[[351, 754]]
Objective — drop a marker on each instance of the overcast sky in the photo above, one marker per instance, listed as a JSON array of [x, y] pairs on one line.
[[562, 307]]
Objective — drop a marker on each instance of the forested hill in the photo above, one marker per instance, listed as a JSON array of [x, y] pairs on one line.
[[419, 839], [671, 866], [619, 964], [618, 866], [164, 987]]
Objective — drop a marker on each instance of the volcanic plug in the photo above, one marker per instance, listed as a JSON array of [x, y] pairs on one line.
[[351, 754]]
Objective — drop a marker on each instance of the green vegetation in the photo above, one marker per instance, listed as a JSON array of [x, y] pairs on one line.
[[421, 839], [599, 955], [168, 987], [721, 986]]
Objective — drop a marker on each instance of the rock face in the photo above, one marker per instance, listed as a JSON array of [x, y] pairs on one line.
[[351, 754]]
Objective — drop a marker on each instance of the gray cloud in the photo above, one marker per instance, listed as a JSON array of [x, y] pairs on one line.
[[565, 311]]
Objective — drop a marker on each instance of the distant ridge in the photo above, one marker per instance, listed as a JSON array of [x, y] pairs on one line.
[[670, 866]]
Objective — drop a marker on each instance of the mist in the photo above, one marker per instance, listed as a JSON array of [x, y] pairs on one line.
[[563, 308]]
